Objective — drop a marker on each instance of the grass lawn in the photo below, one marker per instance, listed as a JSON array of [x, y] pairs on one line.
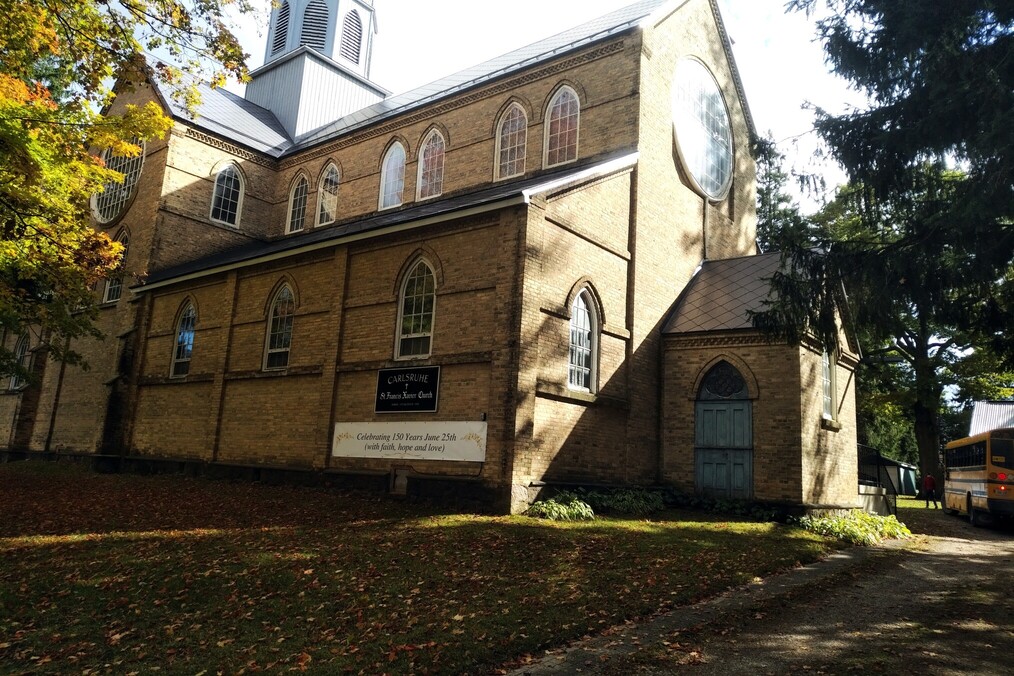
[[120, 574]]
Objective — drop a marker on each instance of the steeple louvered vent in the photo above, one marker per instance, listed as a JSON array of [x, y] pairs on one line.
[[314, 33], [352, 36], [281, 29]]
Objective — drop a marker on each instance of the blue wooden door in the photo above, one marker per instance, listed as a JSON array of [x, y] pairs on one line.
[[724, 455]]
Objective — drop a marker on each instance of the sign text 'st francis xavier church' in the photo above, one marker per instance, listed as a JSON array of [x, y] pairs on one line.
[[402, 390]]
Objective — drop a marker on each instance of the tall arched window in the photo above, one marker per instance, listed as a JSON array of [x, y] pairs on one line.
[[276, 353], [314, 33], [327, 199], [297, 205], [827, 380], [281, 29], [228, 198], [431, 166], [183, 347], [23, 358], [583, 343], [114, 285], [352, 36], [562, 120], [512, 142], [392, 177], [415, 313]]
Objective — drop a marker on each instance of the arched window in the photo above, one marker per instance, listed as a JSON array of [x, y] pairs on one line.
[[562, 121], [115, 196], [228, 197], [827, 380], [431, 166], [583, 343], [281, 29], [314, 33], [327, 199], [392, 177], [352, 36], [512, 142], [183, 348], [276, 354], [415, 314], [297, 205], [23, 358], [114, 285]]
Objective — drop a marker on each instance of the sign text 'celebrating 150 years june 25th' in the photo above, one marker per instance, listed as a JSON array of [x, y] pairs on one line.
[[449, 440]]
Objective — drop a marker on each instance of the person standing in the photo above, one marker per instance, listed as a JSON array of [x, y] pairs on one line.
[[929, 490]]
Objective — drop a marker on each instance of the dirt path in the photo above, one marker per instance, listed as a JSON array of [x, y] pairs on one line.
[[941, 604]]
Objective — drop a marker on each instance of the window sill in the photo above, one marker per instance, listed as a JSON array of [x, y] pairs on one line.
[[557, 392], [830, 425]]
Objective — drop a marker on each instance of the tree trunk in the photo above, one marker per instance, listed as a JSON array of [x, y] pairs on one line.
[[925, 409]]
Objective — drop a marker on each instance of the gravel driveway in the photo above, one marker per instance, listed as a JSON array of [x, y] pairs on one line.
[[942, 603]]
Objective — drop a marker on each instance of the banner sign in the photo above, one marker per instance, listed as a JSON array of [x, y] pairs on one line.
[[408, 390], [459, 441]]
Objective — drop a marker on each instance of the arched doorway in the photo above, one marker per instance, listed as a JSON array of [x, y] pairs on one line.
[[723, 434]]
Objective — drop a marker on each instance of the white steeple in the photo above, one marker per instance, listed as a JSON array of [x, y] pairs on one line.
[[317, 63], [339, 29]]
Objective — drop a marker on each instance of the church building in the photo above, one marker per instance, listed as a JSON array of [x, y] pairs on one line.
[[533, 273]]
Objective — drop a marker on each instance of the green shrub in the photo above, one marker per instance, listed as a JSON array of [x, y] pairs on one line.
[[634, 501], [857, 527], [564, 506], [740, 508]]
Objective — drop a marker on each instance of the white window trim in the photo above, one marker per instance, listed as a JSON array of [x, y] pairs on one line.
[[126, 202], [239, 200], [497, 175], [421, 165], [292, 197], [123, 262], [398, 336], [267, 335], [175, 342], [16, 382], [320, 194], [593, 342], [383, 177], [827, 359], [545, 133]]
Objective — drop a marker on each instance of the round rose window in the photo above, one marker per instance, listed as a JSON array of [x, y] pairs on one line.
[[701, 125]]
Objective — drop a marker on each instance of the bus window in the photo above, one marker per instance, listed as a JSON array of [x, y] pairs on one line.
[[1002, 453]]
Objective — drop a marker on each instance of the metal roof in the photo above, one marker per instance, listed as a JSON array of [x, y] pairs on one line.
[[420, 213], [236, 119], [991, 415], [232, 117], [604, 27], [723, 293]]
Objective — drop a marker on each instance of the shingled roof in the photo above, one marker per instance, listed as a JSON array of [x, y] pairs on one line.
[[723, 293]]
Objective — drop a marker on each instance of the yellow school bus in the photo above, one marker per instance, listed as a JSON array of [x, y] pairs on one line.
[[979, 476]]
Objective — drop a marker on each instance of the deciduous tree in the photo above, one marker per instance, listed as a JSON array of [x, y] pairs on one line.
[[59, 59]]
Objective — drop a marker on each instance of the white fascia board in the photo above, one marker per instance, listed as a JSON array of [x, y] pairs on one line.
[[612, 166]]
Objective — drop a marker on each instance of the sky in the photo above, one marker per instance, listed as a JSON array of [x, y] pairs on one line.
[[781, 64]]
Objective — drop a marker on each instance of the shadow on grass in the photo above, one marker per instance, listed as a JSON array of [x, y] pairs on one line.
[[191, 574]]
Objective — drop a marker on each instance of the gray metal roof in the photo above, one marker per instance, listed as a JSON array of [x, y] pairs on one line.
[[722, 294], [248, 254], [991, 415], [240, 121], [230, 116], [601, 28]]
